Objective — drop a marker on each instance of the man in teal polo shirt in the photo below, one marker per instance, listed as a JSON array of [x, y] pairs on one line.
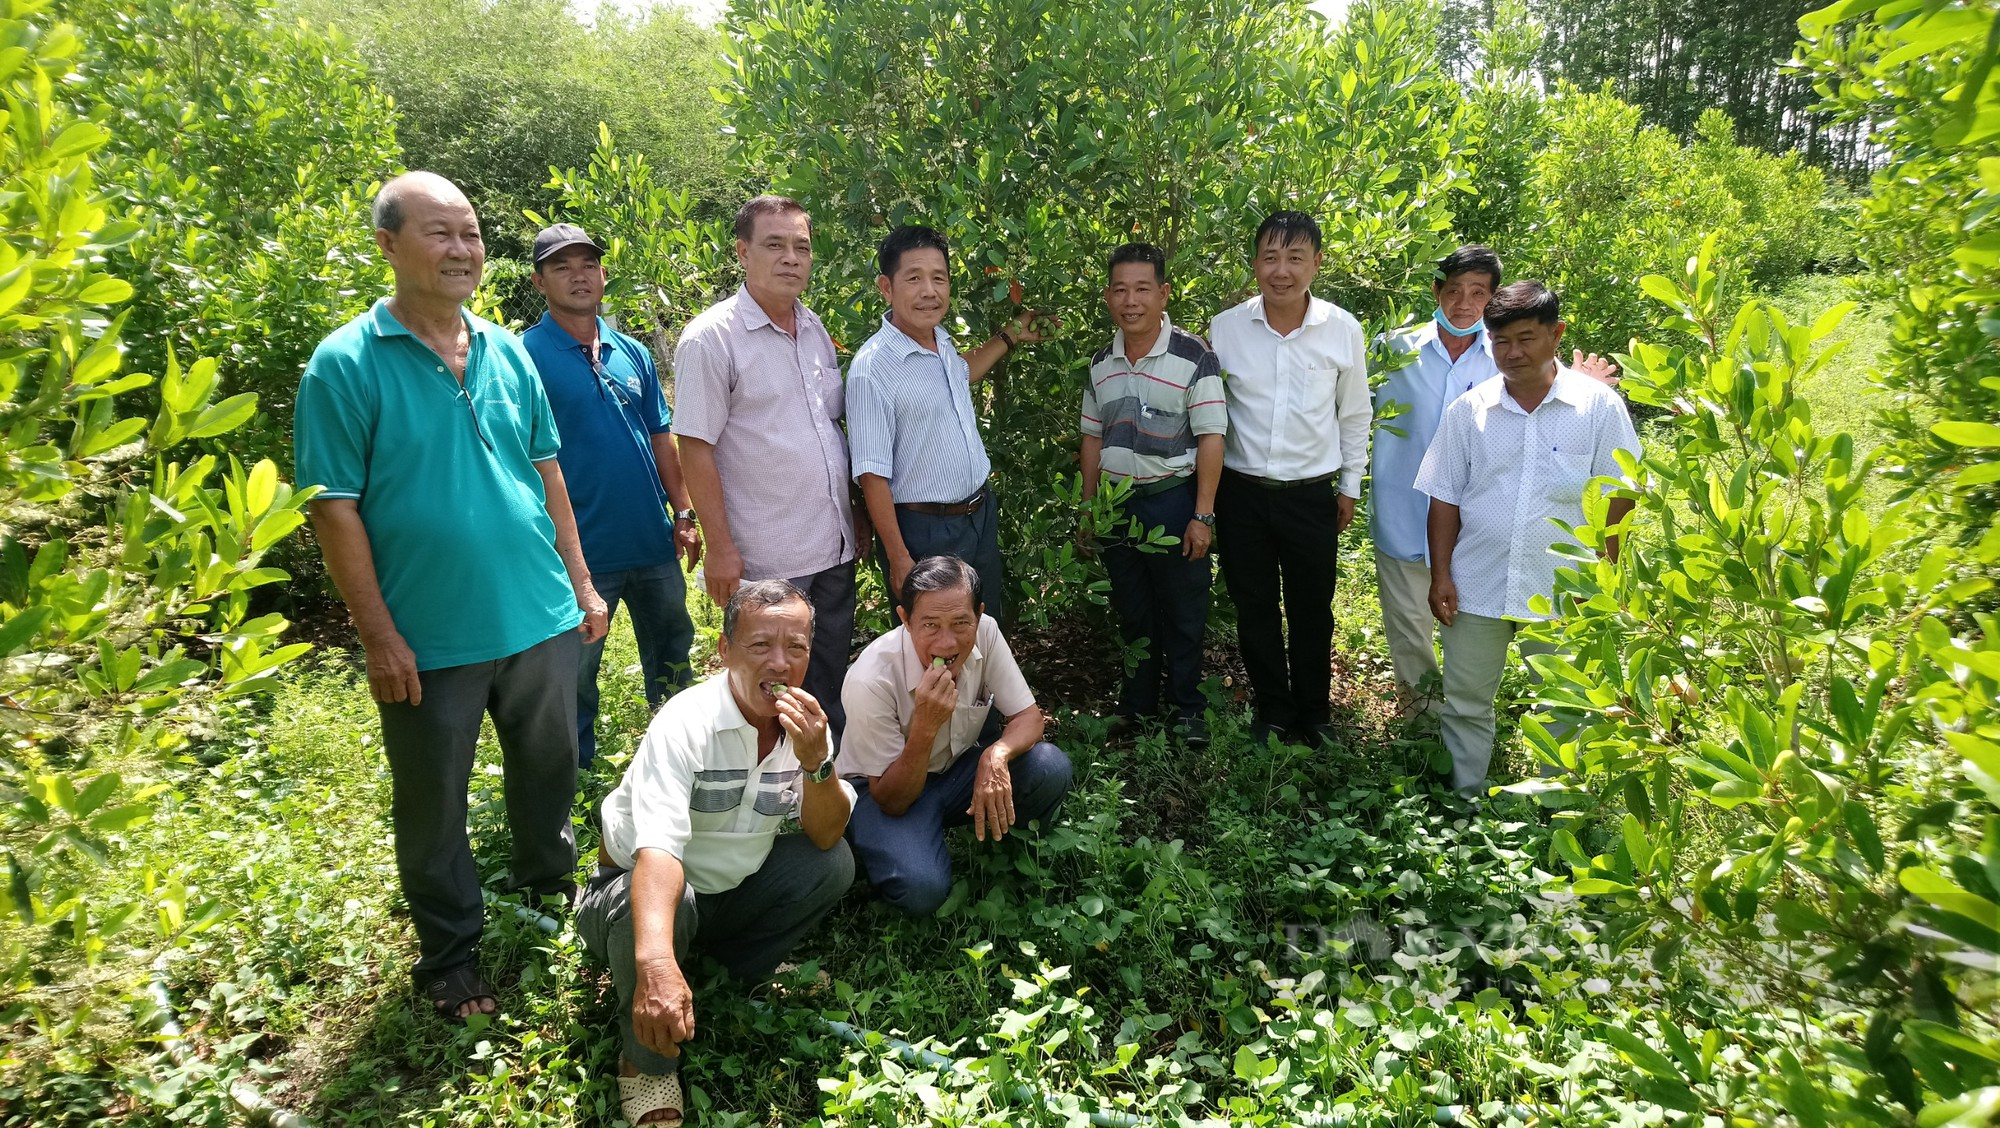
[[446, 526], [621, 467]]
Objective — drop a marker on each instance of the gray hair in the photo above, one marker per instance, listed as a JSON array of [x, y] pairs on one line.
[[940, 573], [762, 593]]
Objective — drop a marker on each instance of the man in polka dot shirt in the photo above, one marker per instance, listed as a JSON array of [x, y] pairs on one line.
[[1512, 456]]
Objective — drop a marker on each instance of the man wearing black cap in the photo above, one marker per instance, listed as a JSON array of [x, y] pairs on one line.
[[623, 471]]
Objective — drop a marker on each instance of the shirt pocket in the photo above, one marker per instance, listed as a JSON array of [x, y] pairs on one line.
[[715, 796], [966, 721], [777, 794], [827, 386], [1565, 475], [1161, 434]]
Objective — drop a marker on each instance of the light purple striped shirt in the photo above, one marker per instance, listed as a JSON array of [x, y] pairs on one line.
[[770, 403]]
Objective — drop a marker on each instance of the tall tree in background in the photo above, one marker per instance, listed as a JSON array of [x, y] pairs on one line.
[[1676, 58], [495, 93]]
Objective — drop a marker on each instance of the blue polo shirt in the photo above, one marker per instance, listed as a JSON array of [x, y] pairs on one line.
[[1397, 510], [608, 422], [465, 553]]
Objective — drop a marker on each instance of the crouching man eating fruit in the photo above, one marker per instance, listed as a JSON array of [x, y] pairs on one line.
[[693, 858], [916, 700]]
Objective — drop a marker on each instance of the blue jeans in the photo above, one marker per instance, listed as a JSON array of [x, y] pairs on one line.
[[657, 598], [905, 855]]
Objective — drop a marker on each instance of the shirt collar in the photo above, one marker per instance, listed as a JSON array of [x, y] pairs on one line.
[[754, 317], [906, 653], [906, 345], [1159, 343], [1568, 388], [384, 324], [1571, 386], [1429, 334], [1318, 309], [549, 324]]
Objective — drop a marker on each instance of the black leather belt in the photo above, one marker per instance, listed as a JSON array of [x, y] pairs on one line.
[[1276, 484], [938, 509]]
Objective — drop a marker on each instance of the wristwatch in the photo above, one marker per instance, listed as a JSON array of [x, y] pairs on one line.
[[684, 515], [822, 773], [1206, 519]]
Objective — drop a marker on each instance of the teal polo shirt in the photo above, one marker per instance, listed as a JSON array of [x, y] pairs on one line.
[[465, 552]]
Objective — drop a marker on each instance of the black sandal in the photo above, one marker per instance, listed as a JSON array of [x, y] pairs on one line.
[[452, 989]]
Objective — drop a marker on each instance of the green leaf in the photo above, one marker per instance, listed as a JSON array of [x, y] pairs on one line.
[[1933, 888], [224, 417], [22, 627], [1963, 433]]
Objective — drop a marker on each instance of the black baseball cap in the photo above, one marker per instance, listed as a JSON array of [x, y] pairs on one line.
[[556, 236]]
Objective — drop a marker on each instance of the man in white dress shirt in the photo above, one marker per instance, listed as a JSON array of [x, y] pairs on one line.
[[1296, 374], [1449, 356], [1513, 455]]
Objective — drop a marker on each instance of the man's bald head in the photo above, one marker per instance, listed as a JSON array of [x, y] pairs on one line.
[[392, 202]]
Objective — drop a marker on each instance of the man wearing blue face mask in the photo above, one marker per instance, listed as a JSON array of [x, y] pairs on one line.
[[1449, 354]]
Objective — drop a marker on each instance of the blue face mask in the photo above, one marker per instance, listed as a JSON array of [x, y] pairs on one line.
[[1445, 324]]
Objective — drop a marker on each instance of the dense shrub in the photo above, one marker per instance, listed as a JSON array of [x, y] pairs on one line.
[[1791, 706], [128, 559], [247, 151], [1039, 136]]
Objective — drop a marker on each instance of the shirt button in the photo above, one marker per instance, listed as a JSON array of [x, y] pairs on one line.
[[440, 368]]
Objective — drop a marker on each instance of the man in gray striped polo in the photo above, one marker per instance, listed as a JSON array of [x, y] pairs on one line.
[[913, 434], [1154, 415]]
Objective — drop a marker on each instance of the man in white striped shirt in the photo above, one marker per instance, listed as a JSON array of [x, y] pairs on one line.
[[1154, 415]]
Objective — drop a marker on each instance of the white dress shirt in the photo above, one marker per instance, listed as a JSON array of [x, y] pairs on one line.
[[1512, 473], [1298, 402], [696, 789]]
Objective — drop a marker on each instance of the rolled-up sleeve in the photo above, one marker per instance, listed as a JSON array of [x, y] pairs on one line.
[[874, 735], [331, 435], [871, 422]]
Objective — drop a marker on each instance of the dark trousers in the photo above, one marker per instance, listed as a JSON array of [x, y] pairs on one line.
[[656, 596], [831, 592], [905, 854], [1162, 598], [747, 929], [431, 747], [1287, 541], [973, 538]]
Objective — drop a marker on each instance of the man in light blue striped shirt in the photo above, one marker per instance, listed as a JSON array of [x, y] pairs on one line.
[[912, 432]]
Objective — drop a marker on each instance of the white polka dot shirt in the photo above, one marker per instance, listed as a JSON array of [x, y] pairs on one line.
[[1512, 473]]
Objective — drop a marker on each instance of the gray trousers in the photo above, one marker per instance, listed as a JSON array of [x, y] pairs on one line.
[[1404, 587], [431, 747], [747, 929], [1475, 656]]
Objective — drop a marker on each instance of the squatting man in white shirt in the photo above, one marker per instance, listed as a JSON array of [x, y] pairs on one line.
[[1512, 456], [693, 858]]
